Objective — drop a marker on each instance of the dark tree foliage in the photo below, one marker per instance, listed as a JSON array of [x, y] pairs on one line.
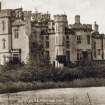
[[37, 57]]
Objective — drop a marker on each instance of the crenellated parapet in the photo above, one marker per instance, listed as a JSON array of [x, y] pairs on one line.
[[79, 26], [40, 18], [5, 13], [85, 27], [60, 18], [27, 15], [97, 35]]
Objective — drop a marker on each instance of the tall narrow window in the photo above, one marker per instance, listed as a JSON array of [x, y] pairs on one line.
[[67, 37], [68, 55], [47, 44], [47, 55], [94, 47], [3, 40], [3, 25], [79, 39], [4, 57], [99, 51], [88, 39], [78, 54], [16, 33], [67, 44], [47, 37]]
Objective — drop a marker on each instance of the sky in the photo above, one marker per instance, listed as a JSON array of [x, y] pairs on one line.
[[89, 10]]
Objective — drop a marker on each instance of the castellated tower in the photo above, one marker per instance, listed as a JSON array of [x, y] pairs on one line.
[[60, 24], [77, 19]]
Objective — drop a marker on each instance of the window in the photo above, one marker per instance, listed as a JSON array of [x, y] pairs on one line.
[[67, 44], [47, 54], [79, 38], [94, 47], [95, 55], [3, 25], [4, 57], [99, 51], [68, 55], [41, 37], [47, 44], [47, 37], [16, 33], [79, 54], [67, 37], [88, 39], [44, 32], [3, 40], [15, 59]]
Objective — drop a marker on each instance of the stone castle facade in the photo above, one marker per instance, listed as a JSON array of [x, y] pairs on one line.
[[63, 43]]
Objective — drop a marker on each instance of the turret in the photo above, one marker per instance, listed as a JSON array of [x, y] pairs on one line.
[[77, 19], [27, 15], [60, 18], [27, 18], [60, 25], [95, 27]]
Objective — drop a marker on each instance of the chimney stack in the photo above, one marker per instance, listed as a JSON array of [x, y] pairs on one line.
[[95, 27], [77, 19]]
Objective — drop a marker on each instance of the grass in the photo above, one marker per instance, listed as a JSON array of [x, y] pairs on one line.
[[25, 86], [23, 78]]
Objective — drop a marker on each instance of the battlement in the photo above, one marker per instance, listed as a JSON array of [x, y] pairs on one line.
[[81, 26], [5, 13], [37, 16], [87, 26], [27, 15], [14, 13], [60, 18]]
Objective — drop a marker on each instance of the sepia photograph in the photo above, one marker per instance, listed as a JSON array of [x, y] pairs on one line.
[[52, 52]]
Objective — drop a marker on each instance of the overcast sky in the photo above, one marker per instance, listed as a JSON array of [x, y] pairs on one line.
[[89, 10]]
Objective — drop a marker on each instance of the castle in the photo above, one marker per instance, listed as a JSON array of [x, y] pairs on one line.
[[63, 43]]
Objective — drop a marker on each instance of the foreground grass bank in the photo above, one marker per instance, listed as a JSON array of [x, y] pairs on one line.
[[22, 78], [26, 86]]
